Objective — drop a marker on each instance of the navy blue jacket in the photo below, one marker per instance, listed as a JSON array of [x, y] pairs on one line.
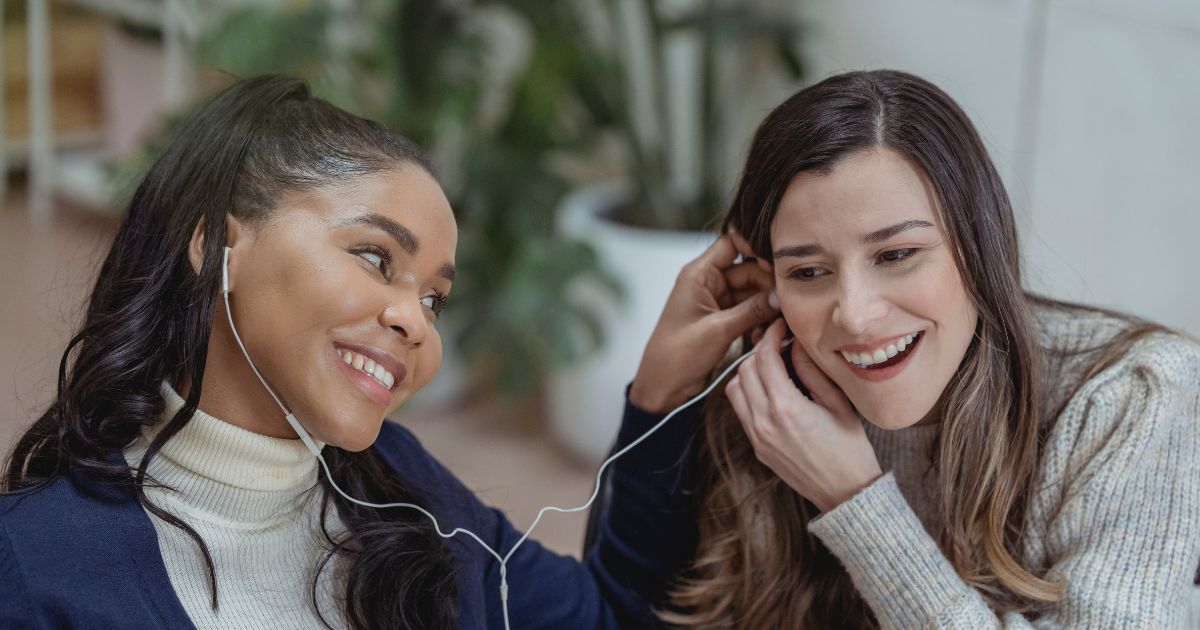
[[75, 555]]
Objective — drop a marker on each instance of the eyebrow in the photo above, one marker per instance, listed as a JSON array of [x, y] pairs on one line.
[[878, 236], [403, 236], [799, 251], [447, 271]]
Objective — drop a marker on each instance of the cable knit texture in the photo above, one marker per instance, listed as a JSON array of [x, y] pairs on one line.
[[255, 502], [1115, 512]]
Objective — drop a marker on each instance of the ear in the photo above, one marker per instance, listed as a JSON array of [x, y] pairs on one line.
[[196, 247], [234, 232]]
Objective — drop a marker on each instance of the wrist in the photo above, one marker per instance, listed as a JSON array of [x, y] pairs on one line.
[[851, 490], [648, 398]]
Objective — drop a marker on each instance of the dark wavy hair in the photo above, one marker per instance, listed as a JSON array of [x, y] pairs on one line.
[[150, 316]]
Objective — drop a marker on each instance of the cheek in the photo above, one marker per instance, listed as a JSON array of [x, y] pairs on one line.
[[430, 361], [938, 295], [805, 316], [334, 294]]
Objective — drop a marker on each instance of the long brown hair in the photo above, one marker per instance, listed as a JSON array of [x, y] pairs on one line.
[[757, 566]]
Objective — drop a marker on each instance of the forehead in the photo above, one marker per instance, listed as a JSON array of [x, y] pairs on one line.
[[407, 195], [863, 192]]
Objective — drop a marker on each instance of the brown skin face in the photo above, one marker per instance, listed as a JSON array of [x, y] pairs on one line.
[[357, 267]]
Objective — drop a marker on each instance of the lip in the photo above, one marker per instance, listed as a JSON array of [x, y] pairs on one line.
[[368, 385], [871, 346], [885, 373]]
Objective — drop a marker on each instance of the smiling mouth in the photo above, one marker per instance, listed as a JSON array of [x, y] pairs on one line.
[[893, 354], [368, 366]]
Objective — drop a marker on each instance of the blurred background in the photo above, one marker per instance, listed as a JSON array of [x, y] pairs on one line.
[[586, 146]]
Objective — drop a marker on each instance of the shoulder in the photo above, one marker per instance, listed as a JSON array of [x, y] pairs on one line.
[[68, 515], [1134, 354], [67, 546], [1140, 407], [405, 454]]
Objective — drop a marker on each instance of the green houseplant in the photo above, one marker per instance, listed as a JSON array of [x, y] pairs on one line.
[[690, 71]]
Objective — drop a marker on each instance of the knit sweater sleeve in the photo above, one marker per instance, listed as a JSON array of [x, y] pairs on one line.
[[1117, 515]]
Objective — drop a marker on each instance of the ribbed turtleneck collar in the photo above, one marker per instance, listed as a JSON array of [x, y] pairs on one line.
[[908, 454], [226, 473]]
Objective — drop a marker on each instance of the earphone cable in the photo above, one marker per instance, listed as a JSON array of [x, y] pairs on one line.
[[503, 560]]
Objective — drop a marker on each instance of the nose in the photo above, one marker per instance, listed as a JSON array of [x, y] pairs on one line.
[[858, 304], [407, 319]]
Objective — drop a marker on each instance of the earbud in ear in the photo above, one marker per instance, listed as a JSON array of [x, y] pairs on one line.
[[225, 272]]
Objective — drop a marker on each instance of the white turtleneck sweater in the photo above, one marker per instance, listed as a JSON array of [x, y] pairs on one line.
[[255, 502]]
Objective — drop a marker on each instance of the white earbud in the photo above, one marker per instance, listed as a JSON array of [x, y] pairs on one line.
[[225, 273], [312, 446]]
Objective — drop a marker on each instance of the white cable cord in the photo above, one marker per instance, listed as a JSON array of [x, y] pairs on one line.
[[458, 530]]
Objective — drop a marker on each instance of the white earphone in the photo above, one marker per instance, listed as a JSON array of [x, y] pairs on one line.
[[312, 446]]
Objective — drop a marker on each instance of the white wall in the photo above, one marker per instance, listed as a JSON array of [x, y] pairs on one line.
[[1091, 110]]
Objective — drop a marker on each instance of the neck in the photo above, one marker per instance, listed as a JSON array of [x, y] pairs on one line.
[[232, 392]]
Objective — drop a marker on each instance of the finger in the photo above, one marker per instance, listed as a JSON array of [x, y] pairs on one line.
[[756, 335], [737, 399], [775, 379], [720, 254], [824, 391], [740, 243], [732, 323], [743, 247], [752, 387], [748, 276]]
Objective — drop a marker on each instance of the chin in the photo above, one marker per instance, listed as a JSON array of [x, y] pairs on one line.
[[351, 432]]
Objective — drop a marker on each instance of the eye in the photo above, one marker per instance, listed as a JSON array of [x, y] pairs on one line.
[[896, 255], [808, 273], [374, 259], [378, 258], [434, 302]]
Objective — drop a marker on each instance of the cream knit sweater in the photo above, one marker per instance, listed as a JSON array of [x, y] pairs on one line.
[[1116, 511], [253, 500]]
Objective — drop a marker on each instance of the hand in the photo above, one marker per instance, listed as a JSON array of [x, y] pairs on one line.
[[818, 446], [713, 303]]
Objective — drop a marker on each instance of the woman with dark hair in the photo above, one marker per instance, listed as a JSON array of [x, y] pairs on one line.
[[950, 451], [165, 488]]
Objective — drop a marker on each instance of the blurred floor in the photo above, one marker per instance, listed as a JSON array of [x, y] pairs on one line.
[[498, 449]]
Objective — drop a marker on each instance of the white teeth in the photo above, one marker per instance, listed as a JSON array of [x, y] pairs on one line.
[[881, 355], [368, 366]]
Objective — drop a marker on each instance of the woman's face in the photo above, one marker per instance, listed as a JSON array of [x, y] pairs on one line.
[[335, 297], [867, 283]]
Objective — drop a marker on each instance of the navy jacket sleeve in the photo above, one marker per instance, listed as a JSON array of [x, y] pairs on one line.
[[647, 537]]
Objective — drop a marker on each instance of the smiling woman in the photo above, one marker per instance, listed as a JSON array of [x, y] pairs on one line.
[[954, 452], [281, 238]]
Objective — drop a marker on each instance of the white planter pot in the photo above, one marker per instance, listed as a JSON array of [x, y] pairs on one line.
[[585, 401]]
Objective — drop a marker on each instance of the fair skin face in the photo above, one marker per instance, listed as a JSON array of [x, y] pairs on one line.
[[860, 262], [356, 269]]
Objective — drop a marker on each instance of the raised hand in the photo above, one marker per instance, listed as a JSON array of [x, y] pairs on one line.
[[714, 302], [818, 446]]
